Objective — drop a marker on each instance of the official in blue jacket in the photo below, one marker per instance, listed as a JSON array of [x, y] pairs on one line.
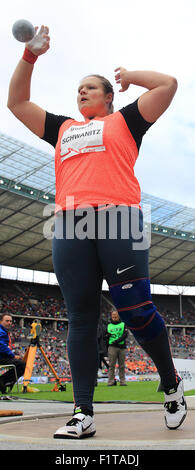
[[7, 356]]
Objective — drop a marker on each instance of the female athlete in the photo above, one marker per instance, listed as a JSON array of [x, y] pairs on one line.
[[99, 223]]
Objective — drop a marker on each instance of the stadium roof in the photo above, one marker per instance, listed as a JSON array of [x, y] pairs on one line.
[[27, 183]]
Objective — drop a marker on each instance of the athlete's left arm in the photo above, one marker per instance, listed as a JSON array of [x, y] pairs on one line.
[[161, 90]]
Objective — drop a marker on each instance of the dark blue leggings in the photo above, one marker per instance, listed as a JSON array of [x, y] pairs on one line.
[[80, 265]]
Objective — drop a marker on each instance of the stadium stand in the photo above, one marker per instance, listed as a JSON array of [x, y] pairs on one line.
[[26, 301]]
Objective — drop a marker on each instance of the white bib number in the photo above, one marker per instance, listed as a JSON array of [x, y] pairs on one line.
[[82, 139]]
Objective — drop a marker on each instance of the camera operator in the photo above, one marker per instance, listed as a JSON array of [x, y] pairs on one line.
[[8, 379]]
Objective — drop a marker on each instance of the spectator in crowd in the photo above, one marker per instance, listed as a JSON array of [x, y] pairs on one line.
[[7, 356]]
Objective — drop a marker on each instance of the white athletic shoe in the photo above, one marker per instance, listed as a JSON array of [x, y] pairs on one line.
[[78, 427], [175, 407]]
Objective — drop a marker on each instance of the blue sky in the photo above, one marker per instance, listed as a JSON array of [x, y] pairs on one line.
[[96, 37]]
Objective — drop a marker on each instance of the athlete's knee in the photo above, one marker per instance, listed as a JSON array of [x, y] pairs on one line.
[[131, 295], [133, 301], [145, 324]]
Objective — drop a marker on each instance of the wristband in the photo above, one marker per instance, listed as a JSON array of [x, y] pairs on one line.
[[29, 57]]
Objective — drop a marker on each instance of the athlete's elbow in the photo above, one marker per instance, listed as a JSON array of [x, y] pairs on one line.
[[12, 108], [173, 84], [10, 104]]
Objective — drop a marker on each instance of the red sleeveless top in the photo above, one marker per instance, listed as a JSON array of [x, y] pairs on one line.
[[94, 163]]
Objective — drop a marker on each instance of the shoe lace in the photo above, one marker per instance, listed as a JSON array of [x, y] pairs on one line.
[[172, 406], [73, 421]]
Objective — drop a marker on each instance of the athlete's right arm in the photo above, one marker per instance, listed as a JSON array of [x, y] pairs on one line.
[[19, 102]]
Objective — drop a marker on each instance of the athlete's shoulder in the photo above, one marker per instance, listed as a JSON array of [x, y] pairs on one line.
[[135, 121]]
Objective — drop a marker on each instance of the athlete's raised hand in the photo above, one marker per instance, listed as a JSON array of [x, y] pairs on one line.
[[121, 78], [40, 43], [160, 90]]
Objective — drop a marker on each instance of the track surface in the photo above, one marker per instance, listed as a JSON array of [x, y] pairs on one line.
[[118, 426]]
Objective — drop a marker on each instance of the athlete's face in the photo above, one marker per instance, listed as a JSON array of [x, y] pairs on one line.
[[92, 100]]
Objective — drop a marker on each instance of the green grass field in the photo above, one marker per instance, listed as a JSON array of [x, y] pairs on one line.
[[134, 391]]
